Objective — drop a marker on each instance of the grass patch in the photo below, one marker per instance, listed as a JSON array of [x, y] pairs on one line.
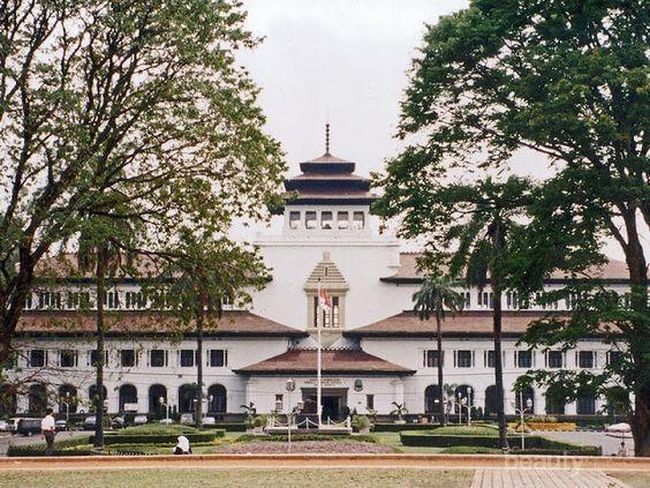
[[479, 430], [321, 478], [158, 429], [632, 479], [470, 450]]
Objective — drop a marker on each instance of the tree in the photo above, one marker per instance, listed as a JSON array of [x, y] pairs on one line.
[[139, 103], [565, 80], [203, 271], [435, 297], [467, 229]]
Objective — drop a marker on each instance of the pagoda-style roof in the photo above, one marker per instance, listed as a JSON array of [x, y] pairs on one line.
[[329, 179], [334, 361]]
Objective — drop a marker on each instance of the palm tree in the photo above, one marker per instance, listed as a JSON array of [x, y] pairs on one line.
[[483, 254], [436, 297], [99, 252]]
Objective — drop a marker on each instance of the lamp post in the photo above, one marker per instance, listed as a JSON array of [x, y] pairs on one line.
[[464, 402], [67, 407], [291, 412], [162, 402], [521, 411]]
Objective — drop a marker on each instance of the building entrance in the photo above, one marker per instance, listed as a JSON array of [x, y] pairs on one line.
[[333, 400]]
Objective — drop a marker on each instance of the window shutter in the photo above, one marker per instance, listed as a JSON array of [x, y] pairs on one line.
[[516, 359], [595, 359], [148, 350], [166, 357], [225, 358], [533, 358], [577, 362], [455, 359], [89, 358], [473, 358], [207, 357], [485, 359], [503, 359], [546, 359]]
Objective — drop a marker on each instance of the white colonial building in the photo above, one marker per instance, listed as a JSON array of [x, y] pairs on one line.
[[377, 352]]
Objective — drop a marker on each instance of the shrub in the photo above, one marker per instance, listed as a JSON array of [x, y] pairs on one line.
[[470, 450], [386, 427], [535, 444], [480, 430], [361, 422], [306, 437], [159, 429], [161, 438], [67, 447]]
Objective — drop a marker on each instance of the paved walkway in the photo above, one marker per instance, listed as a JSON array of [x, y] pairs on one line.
[[542, 478]]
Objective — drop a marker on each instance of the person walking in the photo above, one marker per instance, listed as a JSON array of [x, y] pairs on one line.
[[48, 429]]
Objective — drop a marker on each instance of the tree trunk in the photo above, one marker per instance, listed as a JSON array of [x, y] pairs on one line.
[[498, 369], [639, 346], [441, 393], [199, 360], [100, 277]]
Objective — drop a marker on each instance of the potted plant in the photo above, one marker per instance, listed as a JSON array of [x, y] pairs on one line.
[[362, 424], [258, 424], [250, 417], [399, 412]]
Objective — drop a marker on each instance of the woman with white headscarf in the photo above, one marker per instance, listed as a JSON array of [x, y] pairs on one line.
[[183, 446]]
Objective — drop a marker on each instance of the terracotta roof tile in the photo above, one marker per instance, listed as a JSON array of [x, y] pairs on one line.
[[333, 361], [612, 270], [477, 323], [231, 323]]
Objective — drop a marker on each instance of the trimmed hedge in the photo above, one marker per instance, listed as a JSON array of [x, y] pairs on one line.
[[228, 427], [386, 427], [535, 444], [111, 439], [77, 446], [306, 437]]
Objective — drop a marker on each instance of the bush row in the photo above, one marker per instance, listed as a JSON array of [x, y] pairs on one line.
[[31, 450], [391, 427], [305, 437], [160, 438], [535, 444]]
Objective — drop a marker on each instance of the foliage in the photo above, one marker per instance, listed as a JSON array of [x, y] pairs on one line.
[[399, 411], [568, 81], [206, 436], [470, 450], [483, 430], [297, 437], [361, 422], [158, 429], [130, 111]]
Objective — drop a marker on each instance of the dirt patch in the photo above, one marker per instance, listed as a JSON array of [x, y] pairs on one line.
[[318, 447]]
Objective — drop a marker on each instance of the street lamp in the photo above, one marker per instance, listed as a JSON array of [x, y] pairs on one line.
[[521, 411], [464, 402], [291, 413], [67, 401]]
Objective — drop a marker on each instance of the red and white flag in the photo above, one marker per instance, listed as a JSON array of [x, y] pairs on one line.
[[324, 300]]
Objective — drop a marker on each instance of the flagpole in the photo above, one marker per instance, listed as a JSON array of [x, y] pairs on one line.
[[319, 360]]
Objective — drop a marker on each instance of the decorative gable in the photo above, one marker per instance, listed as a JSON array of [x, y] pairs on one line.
[[329, 275]]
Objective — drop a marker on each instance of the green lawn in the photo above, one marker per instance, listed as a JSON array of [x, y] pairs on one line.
[[392, 439], [239, 478], [633, 480]]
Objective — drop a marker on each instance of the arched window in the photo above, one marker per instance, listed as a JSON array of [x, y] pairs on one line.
[[219, 402], [555, 402], [586, 405], [8, 400], [37, 399], [68, 399], [432, 400], [156, 392], [527, 394], [128, 394], [491, 400], [186, 397]]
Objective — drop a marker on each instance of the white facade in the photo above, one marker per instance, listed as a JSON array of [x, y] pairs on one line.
[[336, 236]]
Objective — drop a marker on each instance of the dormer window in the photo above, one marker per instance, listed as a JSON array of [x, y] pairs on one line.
[[294, 220], [343, 220], [358, 220], [310, 220], [326, 219]]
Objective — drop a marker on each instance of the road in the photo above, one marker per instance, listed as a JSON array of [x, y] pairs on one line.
[[610, 445], [18, 440]]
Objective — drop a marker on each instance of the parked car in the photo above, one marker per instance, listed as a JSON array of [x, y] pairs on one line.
[[4, 426], [140, 420], [13, 424], [166, 421], [209, 421], [29, 427], [60, 425], [89, 423], [187, 419], [118, 422]]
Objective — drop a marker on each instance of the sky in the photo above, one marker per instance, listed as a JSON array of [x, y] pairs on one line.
[[346, 62]]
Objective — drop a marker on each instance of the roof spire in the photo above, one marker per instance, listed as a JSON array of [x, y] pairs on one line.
[[327, 138]]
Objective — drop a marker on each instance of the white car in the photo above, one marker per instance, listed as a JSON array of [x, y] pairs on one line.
[[209, 421], [4, 426], [187, 418], [166, 421], [140, 420]]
